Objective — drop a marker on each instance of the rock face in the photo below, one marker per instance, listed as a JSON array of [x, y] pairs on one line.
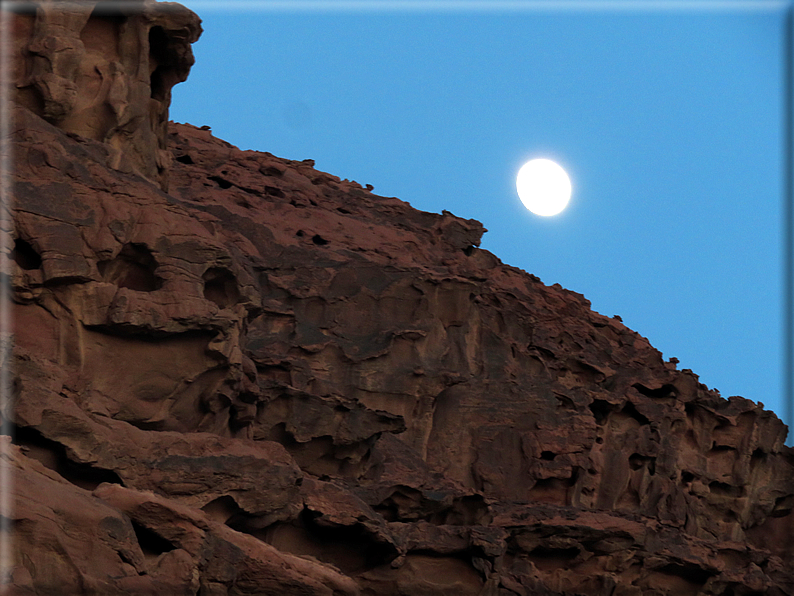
[[268, 380], [104, 71]]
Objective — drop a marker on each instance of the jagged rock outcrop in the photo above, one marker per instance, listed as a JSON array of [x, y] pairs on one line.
[[268, 380], [104, 71]]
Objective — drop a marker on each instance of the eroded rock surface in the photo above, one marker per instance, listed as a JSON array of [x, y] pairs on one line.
[[268, 380], [104, 71]]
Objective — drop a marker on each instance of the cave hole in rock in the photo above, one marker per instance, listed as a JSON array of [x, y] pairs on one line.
[[133, 268], [351, 548], [158, 425], [725, 489], [388, 511], [730, 516], [783, 506], [241, 416], [224, 510], [758, 455], [630, 409], [718, 448], [690, 408], [689, 572], [547, 558], [563, 402], [637, 461], [53, 456], [151, 543], [274, 192], [666, 390], [554, 490], [468, 510], [271, 171], [319, 240], [220, 287], [601, 410], [25, 255], [278, 433], [185, 159], [548, 455], [405, 503], [222, 182]]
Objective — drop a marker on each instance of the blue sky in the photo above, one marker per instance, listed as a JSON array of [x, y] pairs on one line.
[[666, 115]]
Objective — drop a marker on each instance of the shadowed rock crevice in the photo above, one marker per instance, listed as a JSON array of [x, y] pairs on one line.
[[152, 544], [221, 182], [220, 287], [162, 78], [346, 550], [134, 268], [25, 255], [53, 456]]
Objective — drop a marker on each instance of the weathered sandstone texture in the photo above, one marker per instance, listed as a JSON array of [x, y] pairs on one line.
[[266, 380], [104, 71]]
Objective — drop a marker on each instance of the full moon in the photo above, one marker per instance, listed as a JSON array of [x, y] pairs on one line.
[[543, 187]]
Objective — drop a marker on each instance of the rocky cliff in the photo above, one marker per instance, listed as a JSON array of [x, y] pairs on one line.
[[234, 374]]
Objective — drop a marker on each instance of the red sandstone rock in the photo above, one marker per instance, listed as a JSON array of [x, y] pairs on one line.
[[104, 71], [268, 380]]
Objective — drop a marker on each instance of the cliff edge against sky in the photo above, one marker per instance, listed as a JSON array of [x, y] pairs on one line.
[[234, 374]]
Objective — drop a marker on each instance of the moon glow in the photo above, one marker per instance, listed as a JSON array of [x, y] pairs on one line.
[[543, 187]]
